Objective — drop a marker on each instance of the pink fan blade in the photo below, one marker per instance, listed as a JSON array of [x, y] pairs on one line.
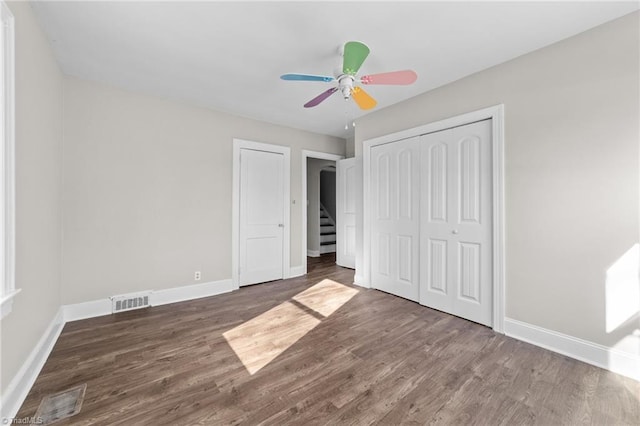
[[321, 97], [394, 77]]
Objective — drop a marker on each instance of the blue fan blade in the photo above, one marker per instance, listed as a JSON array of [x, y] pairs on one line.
[[305, 77]]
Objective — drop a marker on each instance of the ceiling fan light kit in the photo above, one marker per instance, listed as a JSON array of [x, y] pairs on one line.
[[345, 83], [354, 55]]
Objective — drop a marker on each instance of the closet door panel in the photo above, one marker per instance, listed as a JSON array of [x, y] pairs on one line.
[[395, 179]]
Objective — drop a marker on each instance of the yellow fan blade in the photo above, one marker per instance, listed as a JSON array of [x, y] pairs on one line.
[[362, 98]]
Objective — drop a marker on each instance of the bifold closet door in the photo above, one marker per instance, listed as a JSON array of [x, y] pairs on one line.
[[456, 222], [395, 183]]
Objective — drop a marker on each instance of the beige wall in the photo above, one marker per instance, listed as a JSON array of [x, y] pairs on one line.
[[350, 146], [147, 194], [38, 216], [572, 176]]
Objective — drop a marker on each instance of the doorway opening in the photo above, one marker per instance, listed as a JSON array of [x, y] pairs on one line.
[[319, 210], [321, 207]]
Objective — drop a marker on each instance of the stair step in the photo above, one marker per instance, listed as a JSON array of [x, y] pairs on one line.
[[327, 233], [327, 229], [329, 248], [331, 238]]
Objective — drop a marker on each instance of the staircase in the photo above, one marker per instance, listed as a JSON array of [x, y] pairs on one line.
[[327, 232]]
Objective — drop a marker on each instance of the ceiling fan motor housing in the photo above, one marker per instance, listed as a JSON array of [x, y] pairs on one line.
[[345, 83]]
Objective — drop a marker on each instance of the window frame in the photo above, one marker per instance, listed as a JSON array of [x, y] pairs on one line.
[[7, 160]]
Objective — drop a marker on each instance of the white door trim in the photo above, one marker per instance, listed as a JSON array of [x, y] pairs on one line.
[[239, 144], [321, 156], [496, 114]]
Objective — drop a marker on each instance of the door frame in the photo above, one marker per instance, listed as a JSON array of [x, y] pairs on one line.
[[238, 145], [496, 114], [320, 156]]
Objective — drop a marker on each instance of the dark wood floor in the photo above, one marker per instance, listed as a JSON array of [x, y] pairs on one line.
[[333, 355]]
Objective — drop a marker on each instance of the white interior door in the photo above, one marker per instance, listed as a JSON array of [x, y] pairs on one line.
[[261, 216], [395, 178], [347, 175], [456, 222]]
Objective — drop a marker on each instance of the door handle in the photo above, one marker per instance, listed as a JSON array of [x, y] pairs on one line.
[[455, 231], [281, 225]]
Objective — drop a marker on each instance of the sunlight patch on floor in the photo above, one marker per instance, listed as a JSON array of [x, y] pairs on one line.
[[326, 297], [260, 340]]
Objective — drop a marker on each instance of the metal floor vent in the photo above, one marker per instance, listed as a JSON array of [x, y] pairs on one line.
[[129, 302], [60, 405]]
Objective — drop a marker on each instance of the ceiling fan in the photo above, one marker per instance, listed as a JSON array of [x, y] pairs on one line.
[[353, 57]]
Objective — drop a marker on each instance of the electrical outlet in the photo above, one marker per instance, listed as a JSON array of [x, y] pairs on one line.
[[197, 276]]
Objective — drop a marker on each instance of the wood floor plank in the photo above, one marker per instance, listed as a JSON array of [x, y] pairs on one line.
[[340, 354]]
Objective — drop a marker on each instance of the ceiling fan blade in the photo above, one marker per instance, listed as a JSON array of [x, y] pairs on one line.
[[362, 98], [354, 55], [321, 97], [394, 77], [306, 77]]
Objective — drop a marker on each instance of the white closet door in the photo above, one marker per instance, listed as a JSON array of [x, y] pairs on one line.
[[261, 216], [456, 222], [347, 175], [395, 178]]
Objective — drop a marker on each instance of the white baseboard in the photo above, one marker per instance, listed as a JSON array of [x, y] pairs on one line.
[[97, 308], [313, 253], [84, 310], [190, 292], [26, 376], [624, 363], [296, 271]]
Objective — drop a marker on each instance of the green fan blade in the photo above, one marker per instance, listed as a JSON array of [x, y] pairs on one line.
[[354, 55]]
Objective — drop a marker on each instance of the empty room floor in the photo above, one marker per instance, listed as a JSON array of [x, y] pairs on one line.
[[317, 350]]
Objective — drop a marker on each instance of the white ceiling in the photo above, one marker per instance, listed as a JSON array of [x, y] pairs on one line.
[[229, 55]]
